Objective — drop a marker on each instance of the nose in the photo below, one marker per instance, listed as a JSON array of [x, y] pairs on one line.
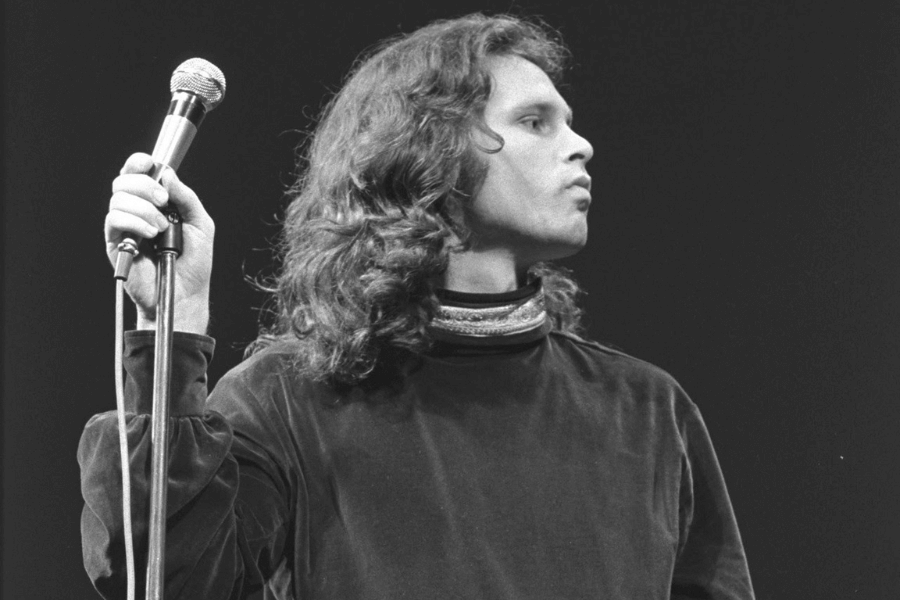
[[581, 149]]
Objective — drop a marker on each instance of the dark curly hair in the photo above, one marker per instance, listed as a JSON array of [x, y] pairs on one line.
[[365, 235]]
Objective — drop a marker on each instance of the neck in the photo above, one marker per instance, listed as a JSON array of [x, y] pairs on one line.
[[483, 272]]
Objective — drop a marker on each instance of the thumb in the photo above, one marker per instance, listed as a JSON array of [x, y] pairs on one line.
[[184, 199]]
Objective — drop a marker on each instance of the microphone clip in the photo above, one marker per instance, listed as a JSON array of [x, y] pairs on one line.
[[172, 239]]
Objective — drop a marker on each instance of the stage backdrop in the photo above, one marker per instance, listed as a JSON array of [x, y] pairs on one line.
[[745, 236]]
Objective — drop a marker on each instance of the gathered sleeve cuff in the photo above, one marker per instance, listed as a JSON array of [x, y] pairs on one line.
[[191, 355], [213, 547]]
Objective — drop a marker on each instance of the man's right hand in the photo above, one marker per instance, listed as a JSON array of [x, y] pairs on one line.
[[134, 211]]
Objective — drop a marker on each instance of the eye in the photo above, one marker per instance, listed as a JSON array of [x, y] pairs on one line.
[[535, 123]]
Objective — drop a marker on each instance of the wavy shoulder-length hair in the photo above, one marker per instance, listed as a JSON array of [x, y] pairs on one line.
[[366, 235]]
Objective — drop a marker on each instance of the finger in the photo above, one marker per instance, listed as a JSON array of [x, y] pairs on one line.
[[119, 225], [135, 205], [141, 186], [139, 162], [183, 198]]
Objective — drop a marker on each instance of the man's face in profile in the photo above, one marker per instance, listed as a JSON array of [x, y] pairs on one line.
[[536, 194]]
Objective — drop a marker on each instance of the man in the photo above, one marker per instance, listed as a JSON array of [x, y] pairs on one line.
[[422, 420]]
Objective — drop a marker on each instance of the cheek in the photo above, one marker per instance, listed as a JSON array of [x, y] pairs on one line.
[[513, 193], [492, 206], [518, 174]]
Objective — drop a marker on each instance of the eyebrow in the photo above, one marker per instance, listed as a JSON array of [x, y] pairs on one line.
[[544, 107]]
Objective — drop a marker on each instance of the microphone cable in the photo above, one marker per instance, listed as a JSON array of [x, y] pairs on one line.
[[124, 259]]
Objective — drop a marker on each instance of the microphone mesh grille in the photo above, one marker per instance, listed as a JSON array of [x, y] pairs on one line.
[[202, 78]]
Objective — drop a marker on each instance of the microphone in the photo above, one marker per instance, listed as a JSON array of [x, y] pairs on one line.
[[197, 87]]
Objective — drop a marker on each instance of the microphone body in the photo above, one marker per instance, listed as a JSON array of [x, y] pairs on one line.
[[186, 112]]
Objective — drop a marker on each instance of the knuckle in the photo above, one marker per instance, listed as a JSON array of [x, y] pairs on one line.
[[140, 159], [114, 219], [169, 180], [123, 182], [170, 176], [116, 200], [138, 162], [119, 182], [125, 202]]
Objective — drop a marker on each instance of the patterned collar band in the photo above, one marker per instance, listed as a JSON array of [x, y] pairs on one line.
[[519, 316]]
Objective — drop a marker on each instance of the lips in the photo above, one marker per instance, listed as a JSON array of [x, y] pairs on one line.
[[583, 180]]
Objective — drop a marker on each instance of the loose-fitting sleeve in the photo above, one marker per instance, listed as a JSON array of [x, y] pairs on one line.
[[711, 563], [226, 507]]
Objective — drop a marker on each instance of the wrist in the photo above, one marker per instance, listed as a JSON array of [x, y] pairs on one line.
[[191, 316]]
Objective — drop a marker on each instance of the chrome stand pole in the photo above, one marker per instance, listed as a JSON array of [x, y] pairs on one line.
[[156, 557], [169, 245]]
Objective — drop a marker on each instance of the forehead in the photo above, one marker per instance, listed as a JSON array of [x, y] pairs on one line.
[[519, 83]]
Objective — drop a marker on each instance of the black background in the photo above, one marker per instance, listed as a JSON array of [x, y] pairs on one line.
[[745, 236]]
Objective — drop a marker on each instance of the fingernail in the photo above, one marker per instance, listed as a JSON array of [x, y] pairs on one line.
[[162, 222], [160, 195]]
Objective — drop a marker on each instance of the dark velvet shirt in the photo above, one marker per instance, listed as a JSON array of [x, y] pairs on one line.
[[541, 467]]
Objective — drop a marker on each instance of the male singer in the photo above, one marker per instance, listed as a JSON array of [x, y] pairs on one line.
[[422, 419]]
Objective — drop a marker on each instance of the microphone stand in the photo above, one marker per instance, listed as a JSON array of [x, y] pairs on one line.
[[197, 87], [169, 245]]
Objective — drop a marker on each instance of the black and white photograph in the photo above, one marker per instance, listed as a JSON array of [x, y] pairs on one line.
[[519, 300]]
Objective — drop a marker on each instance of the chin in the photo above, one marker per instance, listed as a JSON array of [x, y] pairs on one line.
[[559, 249], [570, 251]]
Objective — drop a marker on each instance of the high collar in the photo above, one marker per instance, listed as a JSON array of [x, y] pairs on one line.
[[491, 320]]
